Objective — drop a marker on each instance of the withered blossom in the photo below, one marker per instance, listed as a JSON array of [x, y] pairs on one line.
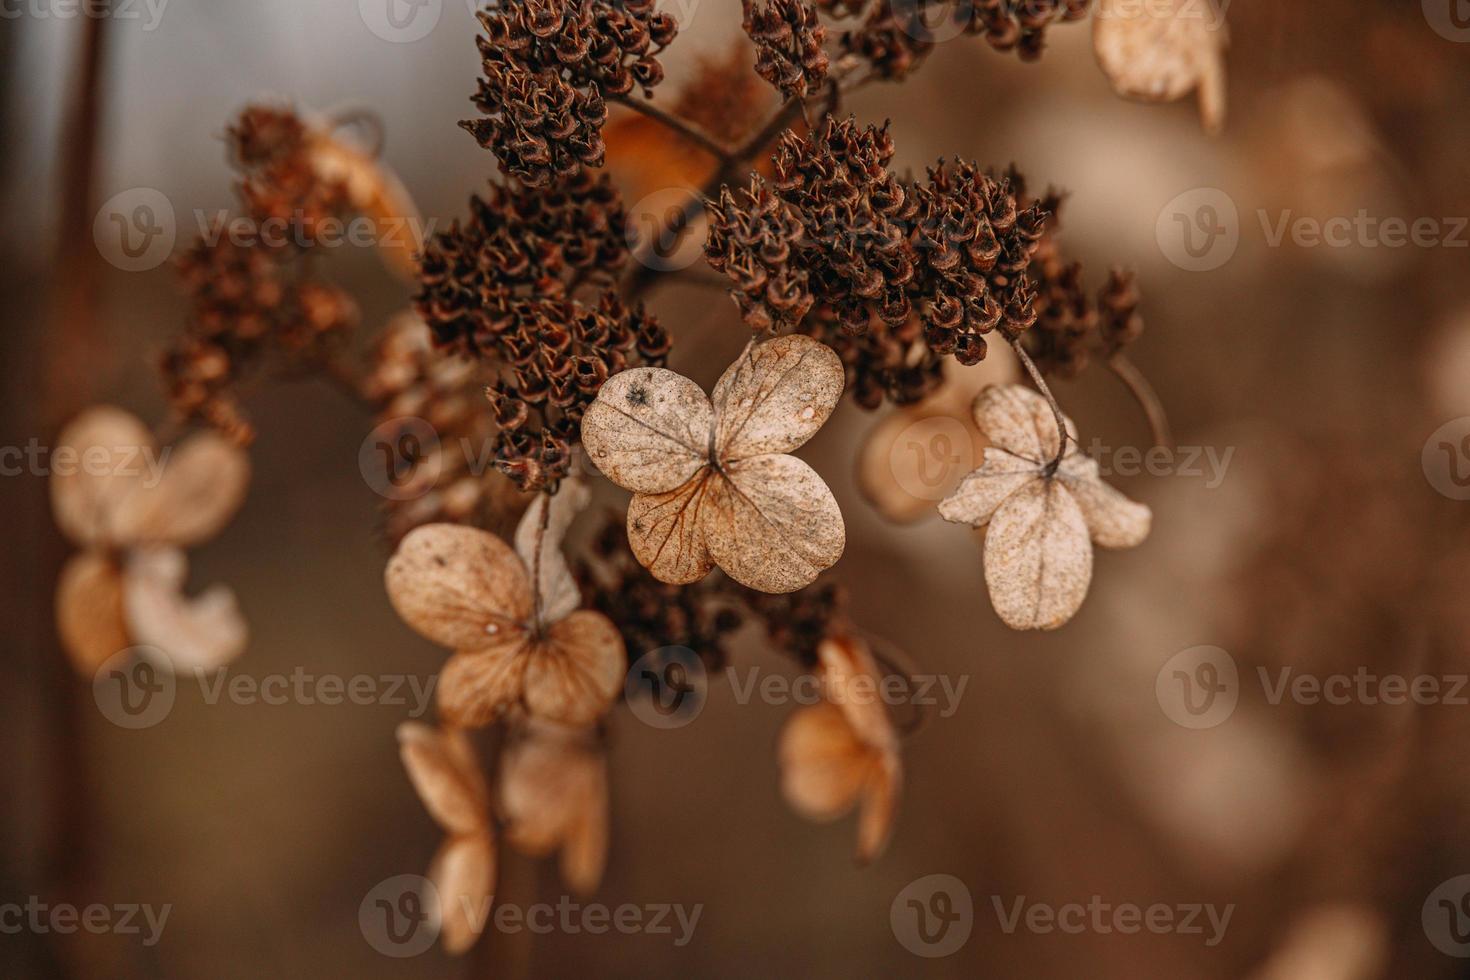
[[520, 644], [1162, 53], [788, 36], [553, 797], [445, 772], [844, 752], [125, 588], [1042, 516], [712, 481]]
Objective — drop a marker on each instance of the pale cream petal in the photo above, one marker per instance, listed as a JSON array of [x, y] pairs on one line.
[[375, 191], [577, 672], [543, 528], [665, 535], [1020, 421], [100, 459], [198, 634], [878, 805], [553, 792], [440, 765], [89, 612], [463, 873], [823, 764], [1162, 50], [1113, 519], [459, 586], [851, 680], [648, 430], [772, 524], [1038, 559], [476, 686], [979, 494], [201, 488], [775, 397]]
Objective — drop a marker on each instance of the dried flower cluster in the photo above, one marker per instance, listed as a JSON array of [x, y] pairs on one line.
[[501, 288], [548, 69], [894, 36], [789, 38]]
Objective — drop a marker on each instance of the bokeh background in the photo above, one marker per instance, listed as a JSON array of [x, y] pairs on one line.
[[1326, 547]]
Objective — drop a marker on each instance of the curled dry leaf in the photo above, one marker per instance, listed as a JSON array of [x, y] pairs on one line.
[[121, 495], [553, 795], [444, 770], [1041, 523], [375, 191], [541, 531], [199, 634], [1161, 52], [465, 589], [712, 482], [844, 751]]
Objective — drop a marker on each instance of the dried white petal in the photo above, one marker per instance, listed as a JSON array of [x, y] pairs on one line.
[[648, 430], [1113, 520], [199, 634], [1038, 559], [89, 612], [1162, 50], [111, 449], [775, 397], [442, 766], [463, 873], [459, 586], [200, 490], [1020, 421], [576, 673], [979, 494], [557, 592], [773, 524], [665, 533]]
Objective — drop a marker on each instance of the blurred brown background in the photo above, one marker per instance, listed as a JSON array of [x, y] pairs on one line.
[[1324, 548]]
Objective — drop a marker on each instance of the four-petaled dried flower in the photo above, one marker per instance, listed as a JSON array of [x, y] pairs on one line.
[[788, 38], [1042, 519], [553, 797], [712, 481], [132, 514], [1162, 53], [519, 637], [445, 772], [844, 751]]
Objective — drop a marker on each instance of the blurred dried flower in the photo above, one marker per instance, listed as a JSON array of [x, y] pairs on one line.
[[519, 642], [553, 796], [125, 496], [711, 479], [1043, 517], [1160, 54], [445, 772], [844, 751]]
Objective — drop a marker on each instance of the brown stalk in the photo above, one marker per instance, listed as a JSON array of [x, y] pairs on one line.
[[1143, 393], [1062, 435]]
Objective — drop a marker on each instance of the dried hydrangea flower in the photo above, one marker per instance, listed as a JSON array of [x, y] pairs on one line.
[[1162, 54], [844, 751], [123, 497], [516, 644], [788, 38], [712, 481], [1042, 518], [445, 772], [553, 797]]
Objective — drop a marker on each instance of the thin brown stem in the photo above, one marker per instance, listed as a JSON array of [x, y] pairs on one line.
[[1062, 435], [1144, 394], [690, 131], [536, 559]]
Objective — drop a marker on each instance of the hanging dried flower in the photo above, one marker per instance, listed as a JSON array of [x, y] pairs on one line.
[[1042, 518], [445, 772], [844, 752], [520, 642], [712, 480], [553, 797], [131, 508], [1162, 53]]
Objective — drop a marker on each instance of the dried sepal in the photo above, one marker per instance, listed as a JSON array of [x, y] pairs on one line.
[[197, 634], [444, 770], [1160, 54], [538, 541], [844, 751], [85, 498], [467, 590], [89, 611], [463, 875], [712, 482], [553, 796], [375, 191], [1042, 520]]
